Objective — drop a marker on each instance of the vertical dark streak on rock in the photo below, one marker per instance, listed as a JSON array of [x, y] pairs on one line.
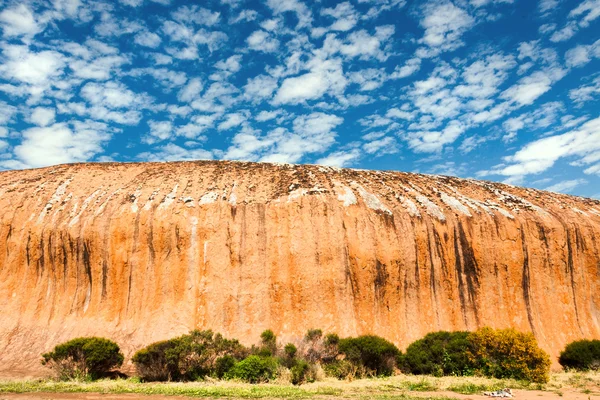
[[27, 251], [380, 281], [136, 236], [40, 265], [466, 266], [571, 270], [525, 281], [87, 263], [65, 261], [8, 236]]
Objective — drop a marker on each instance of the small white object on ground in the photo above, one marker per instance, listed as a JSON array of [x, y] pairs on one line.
[[500, 393]]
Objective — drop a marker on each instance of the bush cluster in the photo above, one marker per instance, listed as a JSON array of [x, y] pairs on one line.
[[496, 353], [189, 357], [439, 353], [502, 353], [84, 358], [507, 353], [581, 355]]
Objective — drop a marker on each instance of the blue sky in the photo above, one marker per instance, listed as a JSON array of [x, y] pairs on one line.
[[504, 90]]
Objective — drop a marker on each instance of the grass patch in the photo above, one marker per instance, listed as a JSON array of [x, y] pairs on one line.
[[193, 389], [473, 388], [423, 385], [400, 387]]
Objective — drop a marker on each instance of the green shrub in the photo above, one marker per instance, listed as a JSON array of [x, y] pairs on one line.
[[507, 353], [224, 365], [374, 353], [301, 373], [289, 358], [439, 353], [581, 355], [185, 358], [86, 357], [268, 342], [290, 350], [313, 334], [343, 369], [158, 361], [254, 369]]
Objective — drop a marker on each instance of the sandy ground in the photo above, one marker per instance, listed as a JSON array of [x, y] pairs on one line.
[[519, 394]]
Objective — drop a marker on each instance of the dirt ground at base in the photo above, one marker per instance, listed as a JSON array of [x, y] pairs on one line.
[[518, 395]]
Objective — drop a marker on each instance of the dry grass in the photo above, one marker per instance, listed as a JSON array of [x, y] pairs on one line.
[[404, 387]]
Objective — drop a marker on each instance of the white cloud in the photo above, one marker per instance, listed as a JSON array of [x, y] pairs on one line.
[[18, 21], [483, 77], [196, 15], [172, 152], [361, 44], [345, 16], [7, 113], [110, 94], [542, 117], [566, 186], [244, 15], [580, 17], [325, 77], [313, 133], [159, 131], [260, 87], [547, 6], [166, 77], [262, 41], [538, 156], [147, 39], [379, 6], [42, 116], [231, 121], [434, 141], [385, 145], [586, 92], [23, 65], [340, 158], [268, 115], [302, 12], [368, 79], [581, 55], [61, 143], [444, 25], [531, 87], [411, 66], [190, 91]]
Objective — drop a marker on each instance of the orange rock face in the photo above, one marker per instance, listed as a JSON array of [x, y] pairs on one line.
[[144, 252]]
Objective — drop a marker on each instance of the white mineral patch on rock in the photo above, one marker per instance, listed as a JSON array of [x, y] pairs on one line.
[[410, 206], [594, 211], [453, 203], [60, 191], [370, 199], [102, 206], [295, 194], [150, 200], [504, 212], [208, 198], [431, 208], [134, 204], [347, 196], [232, 196], [169, 199], [509, 198], [84, 206]]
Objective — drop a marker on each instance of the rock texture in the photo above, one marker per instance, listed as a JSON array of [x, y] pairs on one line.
[[143, 252]]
